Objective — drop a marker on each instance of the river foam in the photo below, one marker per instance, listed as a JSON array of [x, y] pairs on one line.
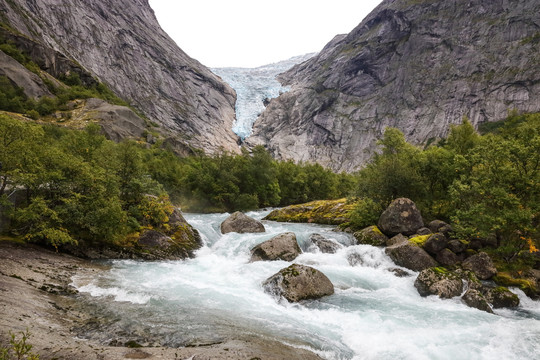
[[372, 315]]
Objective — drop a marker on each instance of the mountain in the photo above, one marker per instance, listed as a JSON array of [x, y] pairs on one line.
[[254, 88], [418, 65], [120, 43]]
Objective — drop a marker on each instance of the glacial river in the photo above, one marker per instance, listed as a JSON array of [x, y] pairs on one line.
[[372, 315]]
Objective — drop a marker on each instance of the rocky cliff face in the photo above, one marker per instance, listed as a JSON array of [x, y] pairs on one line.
[[418, 65], [121, 43]]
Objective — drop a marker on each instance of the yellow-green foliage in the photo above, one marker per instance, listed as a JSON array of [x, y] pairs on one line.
[[419, 240], [333, 212]]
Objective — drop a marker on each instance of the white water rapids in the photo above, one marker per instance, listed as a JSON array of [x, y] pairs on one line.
[[372, 315]]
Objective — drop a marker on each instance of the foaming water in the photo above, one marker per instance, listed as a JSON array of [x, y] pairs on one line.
[[372, 315]]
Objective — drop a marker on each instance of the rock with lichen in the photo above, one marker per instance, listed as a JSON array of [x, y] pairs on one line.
[[299, 282], [438, 281], [400, 217], [370, 236], [280, 247]]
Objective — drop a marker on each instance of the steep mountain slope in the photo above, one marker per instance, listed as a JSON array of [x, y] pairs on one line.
[[122, 44], [418, 65]]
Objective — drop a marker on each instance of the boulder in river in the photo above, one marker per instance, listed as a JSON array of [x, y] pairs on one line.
[[281, 247], [299, 282], [438, 281], [241, 223], [325, 246], [370, 236], [474, 298], [401, 216], [481, 265], [410, 256]]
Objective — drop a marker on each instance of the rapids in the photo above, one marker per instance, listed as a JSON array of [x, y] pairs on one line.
[[372, 315]]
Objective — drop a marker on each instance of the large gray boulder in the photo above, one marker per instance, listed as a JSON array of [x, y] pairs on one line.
[[481, 265], [501, 297], [438, 281], [475, 299], [410, 256], [281, 247], [401, 216], [370, 236], [325, 246], [299, 282], [241, 223]]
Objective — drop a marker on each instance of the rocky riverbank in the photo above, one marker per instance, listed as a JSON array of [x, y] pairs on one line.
[[36, 296]]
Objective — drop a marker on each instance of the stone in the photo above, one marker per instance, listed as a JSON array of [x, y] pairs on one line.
[[367, 80], [154, 239], [440, 282], [423, 231], [457, 246], [399, 272], [501, 297], [329, 212], [299, 282], [481, 265], [446, 257], [489, 241], [475, 299], [435, 243], [241, 223], [399, 238], [325, 246], [410, 256], [439, 226], [401, 217], [281, 247], [370, 236]]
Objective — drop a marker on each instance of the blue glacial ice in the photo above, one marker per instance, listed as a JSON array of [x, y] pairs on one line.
[[253, 86]]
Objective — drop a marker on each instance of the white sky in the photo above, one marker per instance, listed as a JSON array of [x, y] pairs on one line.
[[250, 33]]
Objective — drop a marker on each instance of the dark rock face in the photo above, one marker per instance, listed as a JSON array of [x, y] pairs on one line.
[[281, 247], [299, 282], [399, 238], [370, 236], [410, 256], [439, 226], [435, 281], [32, 84], [401, 216], [501, 297], [122, 44], [241, 223], [481, 265], [446, 257], [325, 246], [415, 65], [474, 298], [457, 246]]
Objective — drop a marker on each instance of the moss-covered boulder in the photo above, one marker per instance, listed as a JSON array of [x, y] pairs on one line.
[[299, 282], [410, 256], [528, 284], [281, 247], [438, 281], [501, 297], [435, 243], [481, 264], [331, 212], [371, 236], [401, 216], [241, 223]]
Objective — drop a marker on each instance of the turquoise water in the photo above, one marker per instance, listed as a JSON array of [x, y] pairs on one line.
[[372, 315]]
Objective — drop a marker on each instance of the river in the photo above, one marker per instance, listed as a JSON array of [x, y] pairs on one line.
[[372, 315]]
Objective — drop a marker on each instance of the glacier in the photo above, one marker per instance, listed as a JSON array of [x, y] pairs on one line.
[[253, 87]]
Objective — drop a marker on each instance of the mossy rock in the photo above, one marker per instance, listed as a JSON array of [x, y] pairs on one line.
[[370, 236], [329, 212], [528, 286], [419, 240]]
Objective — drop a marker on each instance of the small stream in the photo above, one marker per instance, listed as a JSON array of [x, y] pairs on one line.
[[372, 315]]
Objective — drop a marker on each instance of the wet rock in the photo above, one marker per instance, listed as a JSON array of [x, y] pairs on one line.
[[410, 256], [446, 257], [325, 246], [501, 297], [299, 282], [438, 281], [401, 216], [399, 272], [281, 247], [370, 236], [398, 239], [435, 243], [481, 265], [475, 299], [240, 223]]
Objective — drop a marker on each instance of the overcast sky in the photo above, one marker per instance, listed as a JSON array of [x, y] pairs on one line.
[[250, 33]]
